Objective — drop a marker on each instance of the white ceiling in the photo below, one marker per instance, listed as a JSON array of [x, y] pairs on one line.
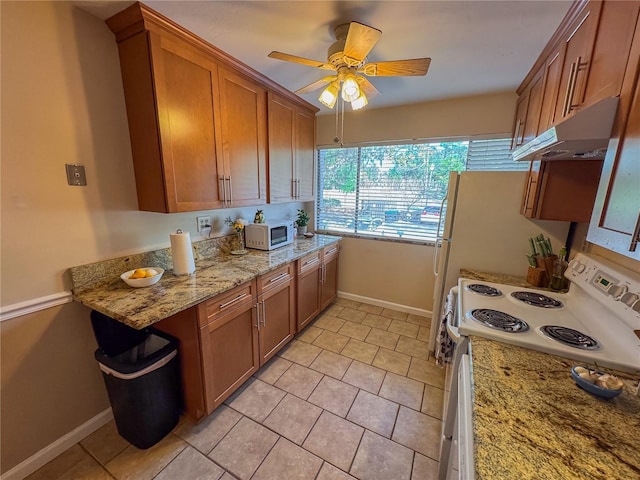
[[476, 46]]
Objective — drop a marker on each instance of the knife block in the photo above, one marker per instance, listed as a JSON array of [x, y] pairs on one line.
[[537, 277]]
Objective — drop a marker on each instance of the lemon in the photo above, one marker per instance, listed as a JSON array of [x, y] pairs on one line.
[[138, 273]]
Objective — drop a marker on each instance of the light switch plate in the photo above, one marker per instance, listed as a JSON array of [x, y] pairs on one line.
[[76, 175]]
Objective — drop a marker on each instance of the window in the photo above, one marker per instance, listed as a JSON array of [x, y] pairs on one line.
[[395, 191]]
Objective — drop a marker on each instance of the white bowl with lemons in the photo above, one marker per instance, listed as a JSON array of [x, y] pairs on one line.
[[142, 277]]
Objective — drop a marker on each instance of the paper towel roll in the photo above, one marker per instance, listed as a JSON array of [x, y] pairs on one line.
[[182, 253]]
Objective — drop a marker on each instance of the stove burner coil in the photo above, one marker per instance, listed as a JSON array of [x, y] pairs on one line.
[[499, 320], [485, 290], [570, 337], [537, 299]]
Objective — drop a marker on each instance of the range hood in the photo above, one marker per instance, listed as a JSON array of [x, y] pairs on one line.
[[584, 135]]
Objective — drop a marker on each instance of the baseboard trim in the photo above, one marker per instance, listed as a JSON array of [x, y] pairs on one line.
[[385, 304], [51, 451]]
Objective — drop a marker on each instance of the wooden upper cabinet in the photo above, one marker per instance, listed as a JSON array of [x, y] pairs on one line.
[[615, 223], [578, 47], [552, 71], [175, 157], [197, 117], [243, 139], [291, 151], [596, 51], [305, 128]]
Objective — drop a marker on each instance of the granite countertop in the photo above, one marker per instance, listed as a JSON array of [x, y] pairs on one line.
[[531, 420], [496, 278], [99, 287]]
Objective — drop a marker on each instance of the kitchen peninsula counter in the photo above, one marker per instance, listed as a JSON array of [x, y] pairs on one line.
[[531, 420], [99, 287]]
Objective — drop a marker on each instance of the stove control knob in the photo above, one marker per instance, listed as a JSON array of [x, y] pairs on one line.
[[616, 291], [630, 298], [636, 306], [578, 267]]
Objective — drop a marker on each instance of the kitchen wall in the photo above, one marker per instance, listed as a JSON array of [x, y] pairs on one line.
[[62, 102], [401, 273]]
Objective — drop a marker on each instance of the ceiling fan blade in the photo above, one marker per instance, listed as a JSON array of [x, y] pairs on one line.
[[397, 68], [359, 42], [304, 61], [317, 84], [367, 87]]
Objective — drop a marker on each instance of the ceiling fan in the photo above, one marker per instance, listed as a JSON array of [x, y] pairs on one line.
[[348, 58]]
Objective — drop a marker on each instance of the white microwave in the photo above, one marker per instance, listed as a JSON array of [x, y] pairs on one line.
[[270, 235]]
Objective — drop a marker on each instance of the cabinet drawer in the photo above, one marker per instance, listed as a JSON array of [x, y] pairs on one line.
[[275, 278], [309, 262], [226, 302], [330, 252]]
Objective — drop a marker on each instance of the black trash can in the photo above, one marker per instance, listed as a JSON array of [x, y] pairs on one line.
[[115, 337], [143, 384]]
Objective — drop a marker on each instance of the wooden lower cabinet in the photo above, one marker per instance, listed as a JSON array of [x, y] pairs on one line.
[[276, 311], [329, 285], [308, 288], [229, 352], [223, 341], [317, 283]]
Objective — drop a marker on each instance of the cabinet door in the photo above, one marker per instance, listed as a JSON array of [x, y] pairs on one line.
[[553, 71], [532, 118], [281, 149], [243, 139], [308, 288], [519, 121], [578, 47], [530, 193], [567, 190], [230, 352], [277, 317], [611, 50], [175, 158], [305, 129], [329, 290], [615, 223]]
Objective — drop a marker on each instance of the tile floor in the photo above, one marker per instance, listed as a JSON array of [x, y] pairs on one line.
[[354, 395]]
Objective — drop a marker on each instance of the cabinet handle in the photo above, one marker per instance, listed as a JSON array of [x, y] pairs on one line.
[[223, 189], [238, 298], [323, 277], [264, 314], [279, 277], [298, 188], [293, 188], [516, 134], [567, 94], [230, 200], [576, 67], [311, 262], [257, 305], [636, 236], [329, 252]]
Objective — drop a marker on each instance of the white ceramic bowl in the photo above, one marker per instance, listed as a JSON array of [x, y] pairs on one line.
[[142, 282]]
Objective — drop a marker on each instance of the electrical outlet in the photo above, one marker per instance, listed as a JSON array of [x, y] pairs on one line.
[[203, 222]]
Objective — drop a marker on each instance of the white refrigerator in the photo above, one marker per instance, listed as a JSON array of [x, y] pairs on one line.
[[481, 228]]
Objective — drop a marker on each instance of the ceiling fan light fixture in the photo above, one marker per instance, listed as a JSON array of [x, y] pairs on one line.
[[329, 95], [360, 102], [350, 88]]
